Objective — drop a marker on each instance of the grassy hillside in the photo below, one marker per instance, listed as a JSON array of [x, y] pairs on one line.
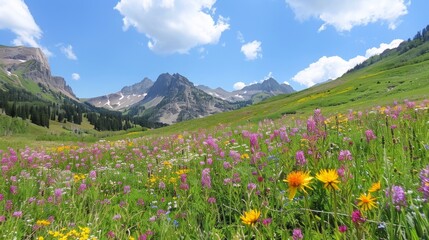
[[395, 75]]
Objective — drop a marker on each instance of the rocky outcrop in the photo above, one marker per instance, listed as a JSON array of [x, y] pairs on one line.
[[32, 64], [124, 99]]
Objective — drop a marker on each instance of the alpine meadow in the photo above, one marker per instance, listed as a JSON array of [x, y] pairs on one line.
[[343, 158]]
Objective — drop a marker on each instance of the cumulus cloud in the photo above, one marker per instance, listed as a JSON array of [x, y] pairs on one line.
[[327, 68], [75, 76], [173, 26], [239, 85], [343, 15], [252, 50], [68, 52], [16, 17]]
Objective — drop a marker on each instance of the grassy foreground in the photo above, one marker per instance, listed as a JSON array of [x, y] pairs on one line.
[[354, 175]]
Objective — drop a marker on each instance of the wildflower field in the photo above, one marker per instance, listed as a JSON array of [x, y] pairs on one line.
[[355, 175]]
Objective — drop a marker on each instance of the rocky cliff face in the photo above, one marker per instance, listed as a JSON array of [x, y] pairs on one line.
[[173, 98], [32, 64], [127, 97]]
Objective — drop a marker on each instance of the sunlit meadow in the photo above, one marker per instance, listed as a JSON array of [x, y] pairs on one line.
[[356, 175]]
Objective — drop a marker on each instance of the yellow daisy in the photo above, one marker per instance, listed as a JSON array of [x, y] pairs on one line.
[[375, 187], [250, 217], [329, 177], [297, 180], [366, 202]]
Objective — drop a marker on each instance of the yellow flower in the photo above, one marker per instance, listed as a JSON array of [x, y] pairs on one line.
[[329, 178], [250, 217], [366, 202], [245, 156], [297, 180], [375, 187], [167, 164], [182, 171], [43, 222], [40, 238], [78, 177]]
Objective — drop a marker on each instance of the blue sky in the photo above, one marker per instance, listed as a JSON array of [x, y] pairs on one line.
[[99, 46]]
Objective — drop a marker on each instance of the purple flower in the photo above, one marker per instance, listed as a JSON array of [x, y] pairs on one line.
[[424, 183], [82, 188], [183, 178], [127, 189], [251, 186], [184, 186], [211, 200], [1, 197], [311, 125], [206, 181], [17, 214], [345, 155], [161, 185], [297, 234], [370, 135], [227, 165], [117, 217], [398, 196], [2, 219], [254, 141], [300, 158], [93, 175]]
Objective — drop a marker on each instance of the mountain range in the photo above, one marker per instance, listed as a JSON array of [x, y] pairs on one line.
[[169, 99]]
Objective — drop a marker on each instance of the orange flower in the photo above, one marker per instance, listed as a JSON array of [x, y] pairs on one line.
[[297, 180]]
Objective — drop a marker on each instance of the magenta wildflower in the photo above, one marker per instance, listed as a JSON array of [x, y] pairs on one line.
[[161, 185], [206, 181], [9, 205], [357, 217], [254, 145], [300, 158], [311, 125], [297, 234], [117, 217], [111, 234], [183, 178], [369, 134], [227, 165], [184, 186], [2, 219], [342, 228], [1, 197], [266, 221], [14, 189], [345, 155]]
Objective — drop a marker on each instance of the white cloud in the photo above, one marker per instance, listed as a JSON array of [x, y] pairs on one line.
[[75, 76], [173, 26], [270, 75], [286, 82], [345, 14], [252, 50], [239, 85], [68, 52], [16, 17], [375, 51], [327, 68]]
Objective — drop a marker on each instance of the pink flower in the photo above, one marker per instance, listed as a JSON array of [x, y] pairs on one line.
[[14, 189], [342, 228], [211, 200], [17, 214], [357, 217], [297, 234], [370, 135], [206, 181]]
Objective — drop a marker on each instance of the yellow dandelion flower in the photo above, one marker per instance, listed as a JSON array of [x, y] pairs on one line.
[[167, 164], [245, 156], [40, 238], [182, 171], [250, 217], [297, 180], [366, 202], [329, 178], [375, 187]]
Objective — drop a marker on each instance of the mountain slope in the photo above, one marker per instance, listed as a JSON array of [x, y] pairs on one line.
[[254, 93], [395, 75], [123, 99], [25, 63], [173, 98]]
